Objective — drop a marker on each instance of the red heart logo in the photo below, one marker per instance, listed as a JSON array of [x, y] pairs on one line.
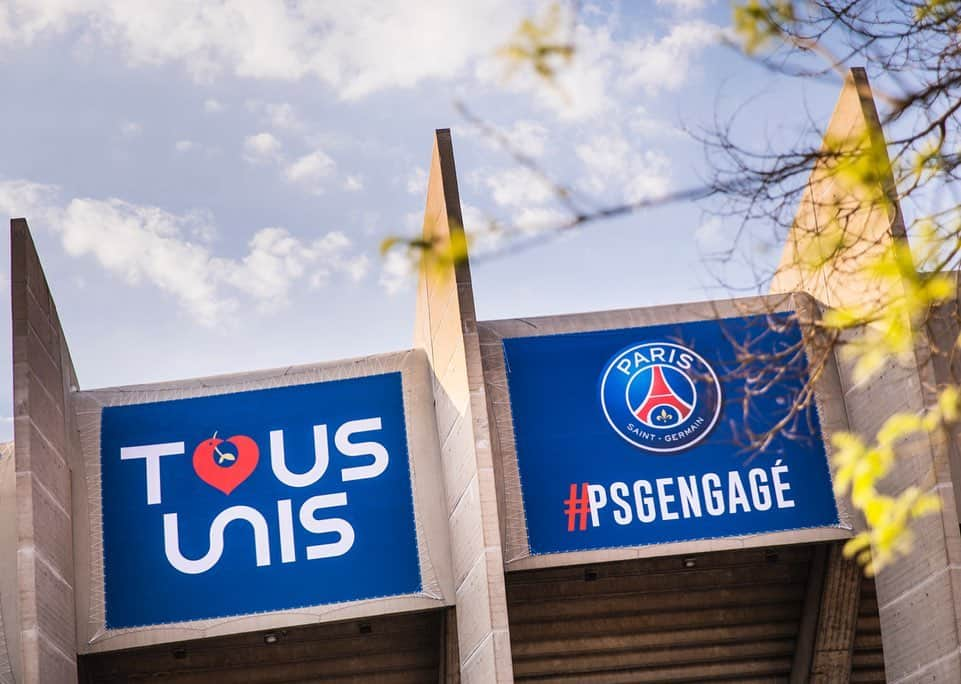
[[209, 460]]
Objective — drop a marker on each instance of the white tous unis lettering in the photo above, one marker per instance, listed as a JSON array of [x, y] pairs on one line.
[[373, 449], [216, 548], [151, 454], [278, 461], [375, 461], [288, 551]]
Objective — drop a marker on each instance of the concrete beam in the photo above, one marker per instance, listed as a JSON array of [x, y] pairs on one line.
[[46, 442], [919, 597], [446, 328], [9, 630], [837, 620], [808, 630], [870, 220]]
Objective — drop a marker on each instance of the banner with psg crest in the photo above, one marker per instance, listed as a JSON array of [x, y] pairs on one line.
[[667, 433]]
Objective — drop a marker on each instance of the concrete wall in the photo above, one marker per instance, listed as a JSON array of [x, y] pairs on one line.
[[9, 626], [919, 597], [46, 443], [941, 358], [446, 328]]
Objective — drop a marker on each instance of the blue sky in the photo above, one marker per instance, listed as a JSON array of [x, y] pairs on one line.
[[208, 184]]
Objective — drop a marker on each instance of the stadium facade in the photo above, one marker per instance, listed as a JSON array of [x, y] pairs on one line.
[[595, 497]]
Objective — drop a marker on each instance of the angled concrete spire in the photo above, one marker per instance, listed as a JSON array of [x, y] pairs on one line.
[[919, 597], [868, 218], [40, 608], [446, 327]]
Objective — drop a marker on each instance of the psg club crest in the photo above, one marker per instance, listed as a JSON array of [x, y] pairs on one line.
[[660, 396]]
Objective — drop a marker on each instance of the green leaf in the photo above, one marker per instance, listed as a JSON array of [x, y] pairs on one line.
[[388, 243], [842, 318]]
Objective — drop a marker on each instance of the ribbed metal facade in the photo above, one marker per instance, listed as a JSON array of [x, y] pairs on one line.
[[868, 659], [730, 616], [398, 649]]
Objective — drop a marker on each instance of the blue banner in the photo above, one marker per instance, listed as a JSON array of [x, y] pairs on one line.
[[666, 433], [257, 501]]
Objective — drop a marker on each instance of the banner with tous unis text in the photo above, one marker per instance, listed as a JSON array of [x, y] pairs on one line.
[[253, 501]]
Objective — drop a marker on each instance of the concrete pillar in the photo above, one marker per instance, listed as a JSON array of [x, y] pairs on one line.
[[919, 597], [9, 636], [43, 648], [837, 619], [446, 328]]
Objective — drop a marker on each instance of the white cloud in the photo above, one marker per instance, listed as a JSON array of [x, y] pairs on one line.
[[710, 235], [517, 187], [528, 137], [26, 199], [641, 122], [684, 5], [353, 183], [614, 167], [276, 259], [375, 44], [397, 271], [261, 147], [367, 49], [525, 136], [310, 169], [606, 68], [184, 145], [144, 244], [539, 219], [650, 176], [130, 129], [414, 221], [483, 234], [664, 64], [417, 181], [581, 89], [212, 106], [280, 115]]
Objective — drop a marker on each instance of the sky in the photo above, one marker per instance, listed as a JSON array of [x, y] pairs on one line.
[[208, 183]]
